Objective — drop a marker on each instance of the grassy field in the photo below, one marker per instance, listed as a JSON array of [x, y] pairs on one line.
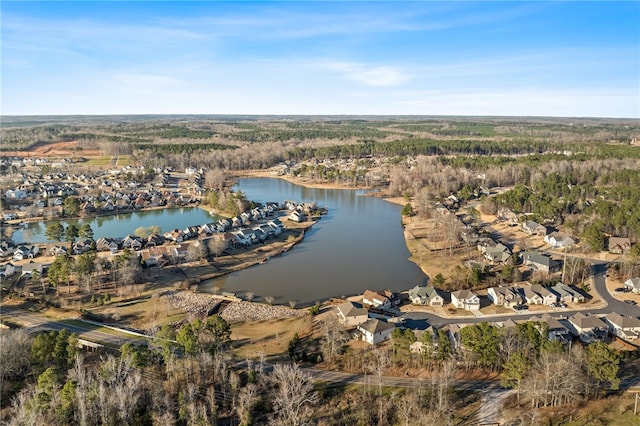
[[99, 161], [251, 339]]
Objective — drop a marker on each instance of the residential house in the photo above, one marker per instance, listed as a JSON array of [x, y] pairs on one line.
[[530, 296], [7, 270], [6, 248], [555, 329], [619, 245], [83, 245], [540, 262], [465, 299], [625, 327], [56, 250], [548, 297], [567, 294], [296, 216], [131, 242], [495, 252], [633, 284], [559, 240], [534, 228], [588, 328], [351, 315], [107, 244], [378, 299], [30, 268], [25, 252], [154, 240], [426, 340], [426, 295], [176, 235], [375, 331], [504, 296]]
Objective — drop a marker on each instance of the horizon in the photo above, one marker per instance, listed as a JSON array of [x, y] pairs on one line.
[[387, 59]]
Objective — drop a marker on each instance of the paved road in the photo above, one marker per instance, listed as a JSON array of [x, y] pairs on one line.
[[421, 320], [35, 322]]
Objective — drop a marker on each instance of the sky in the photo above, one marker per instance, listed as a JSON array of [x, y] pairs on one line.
[[507, 58]]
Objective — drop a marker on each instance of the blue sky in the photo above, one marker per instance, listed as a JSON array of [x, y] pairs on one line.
[[420, 58]]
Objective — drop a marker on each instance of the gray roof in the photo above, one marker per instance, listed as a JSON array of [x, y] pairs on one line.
[[348, 309], [374, 326]]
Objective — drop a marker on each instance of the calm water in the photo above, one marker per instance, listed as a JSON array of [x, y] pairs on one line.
[[359, 245], [123, 224]]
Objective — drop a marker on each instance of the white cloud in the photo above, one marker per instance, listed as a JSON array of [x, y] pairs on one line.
[[369, 75]]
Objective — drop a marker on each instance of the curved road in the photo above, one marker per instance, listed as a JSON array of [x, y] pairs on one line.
[[421, 320]]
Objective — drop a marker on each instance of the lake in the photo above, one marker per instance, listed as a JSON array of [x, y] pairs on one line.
[[358, 245], [122, 224]]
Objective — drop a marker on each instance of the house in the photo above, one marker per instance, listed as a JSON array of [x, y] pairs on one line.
[[242, 237], [619, 245], [107, 244], [425, 296], [375, 331], [539, 261], [530, 296], [6, 248], [497, 254], [7, 270], [465, 299], [25, 252], [154, 240], [296, 216], [625, 327], [504, 296], [425, 340], [567, 294], [548, 297], [30, 268], [176, 235], [534, 228], [559, 240], [555, 329], [83, 245], [377, 299], [131, 242], [633, 284], [588, 328], [351, 315], [56, 250]]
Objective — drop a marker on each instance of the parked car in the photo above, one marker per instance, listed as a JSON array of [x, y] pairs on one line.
[[622, 290], [631, 302], [520, 307]]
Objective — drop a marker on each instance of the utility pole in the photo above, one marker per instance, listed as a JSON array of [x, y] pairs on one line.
[[635, 406]]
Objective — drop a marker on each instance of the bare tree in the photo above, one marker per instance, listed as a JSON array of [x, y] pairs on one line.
[[333, 337], [15, 353], [247, 399], [293, 394], [217, 244]]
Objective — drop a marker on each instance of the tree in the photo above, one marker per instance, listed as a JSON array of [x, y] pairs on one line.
[[196, 251], [60, 270], [71, 233], [514, 371], [71, 206], [333, 337], [603, 364], [293, 394], [219, 329], [483, 340], [54, 231], [15, 353], [85, 231], [145, 232], [217, 244], [407, 210], [187, 339], [593, 236]]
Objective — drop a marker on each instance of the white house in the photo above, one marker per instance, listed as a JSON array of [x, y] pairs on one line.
[[559, 240], [7, 270], [588, 328], [377, 299], [625, 327], [375, 331], [633, 284], [296, 216], [504, 296], [465, 299], [548, 297], [350, 315]]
